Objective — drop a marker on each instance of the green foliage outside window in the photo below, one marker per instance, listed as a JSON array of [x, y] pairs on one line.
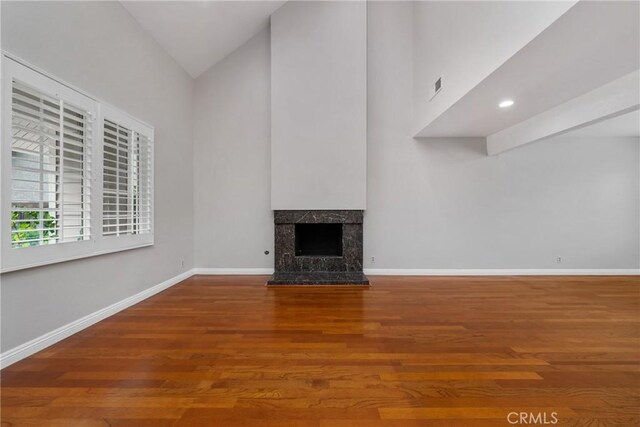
[[27, 234]]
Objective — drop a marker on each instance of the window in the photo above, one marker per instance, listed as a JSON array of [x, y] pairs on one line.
[[51, 178], [126, 197], [77, 174]]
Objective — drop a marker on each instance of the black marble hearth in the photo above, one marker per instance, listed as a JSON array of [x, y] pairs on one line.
[[315, 247]]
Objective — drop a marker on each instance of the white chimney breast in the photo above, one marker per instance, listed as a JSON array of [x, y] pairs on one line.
[[319, 106]]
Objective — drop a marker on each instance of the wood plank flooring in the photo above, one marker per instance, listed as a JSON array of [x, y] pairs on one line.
[[409, 351]]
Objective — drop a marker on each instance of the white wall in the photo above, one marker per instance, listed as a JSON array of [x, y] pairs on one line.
[[98, 47], [436, 204], [464, 41], [318, 105], [445, 204], [570, 198], [233, 219]]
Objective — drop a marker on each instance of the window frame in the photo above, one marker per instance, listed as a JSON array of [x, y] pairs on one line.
[[13, 259], [134, 240]]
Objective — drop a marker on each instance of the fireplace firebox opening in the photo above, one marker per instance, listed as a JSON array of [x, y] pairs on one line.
[[318, 247], [324, 240]]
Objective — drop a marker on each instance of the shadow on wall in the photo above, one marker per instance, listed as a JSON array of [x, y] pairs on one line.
[[472, 147]]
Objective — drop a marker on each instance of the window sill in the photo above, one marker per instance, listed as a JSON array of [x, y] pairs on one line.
[[72, 258]]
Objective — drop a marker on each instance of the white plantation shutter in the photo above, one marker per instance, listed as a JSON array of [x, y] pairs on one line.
[[77, 174], [127, 182], [51, 169], [143, 184], [116, 160]]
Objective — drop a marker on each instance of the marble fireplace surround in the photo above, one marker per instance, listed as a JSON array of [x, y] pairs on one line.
[[318, 270]]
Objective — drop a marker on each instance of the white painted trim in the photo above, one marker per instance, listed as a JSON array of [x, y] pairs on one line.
[[233, 271], [502, 272], [444, 272], [73, 258], [27, 349]]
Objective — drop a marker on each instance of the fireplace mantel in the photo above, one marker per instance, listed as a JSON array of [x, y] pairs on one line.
[[318, 269]]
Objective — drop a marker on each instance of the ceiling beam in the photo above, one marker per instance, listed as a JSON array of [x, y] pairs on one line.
[[618, 97]]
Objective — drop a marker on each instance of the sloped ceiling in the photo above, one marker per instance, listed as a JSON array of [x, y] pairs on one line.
[[593, 43], [197, 34]]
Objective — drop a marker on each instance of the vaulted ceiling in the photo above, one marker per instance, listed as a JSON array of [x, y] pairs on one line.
[[573, 55], [197, 34], [591, 44]]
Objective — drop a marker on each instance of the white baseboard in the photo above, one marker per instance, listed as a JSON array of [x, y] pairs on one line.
[[233, 271], [444, 271], [501, 272], [27, 349]]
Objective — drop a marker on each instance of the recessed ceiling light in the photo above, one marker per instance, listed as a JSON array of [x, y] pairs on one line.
[[506, 103]]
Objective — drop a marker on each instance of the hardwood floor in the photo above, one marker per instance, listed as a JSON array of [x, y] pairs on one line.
[[409, 351]]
